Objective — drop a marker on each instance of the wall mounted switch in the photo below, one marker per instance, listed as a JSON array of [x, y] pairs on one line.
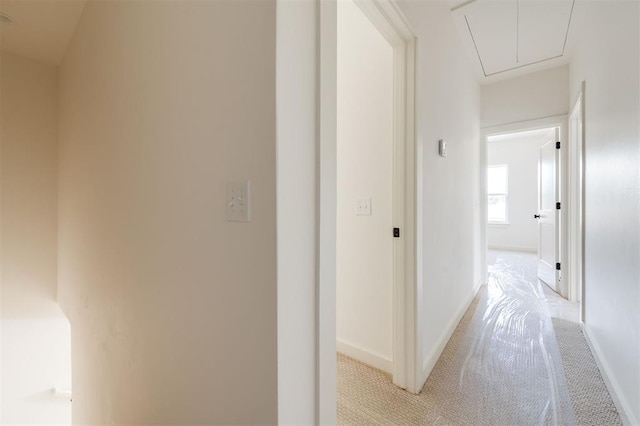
[[238, 201], [363, 206]]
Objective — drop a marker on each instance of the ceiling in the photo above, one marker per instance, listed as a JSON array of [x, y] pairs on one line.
[[506, 38], [503, 38], [41, 29]]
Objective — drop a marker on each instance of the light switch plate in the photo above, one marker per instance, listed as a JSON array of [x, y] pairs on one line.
[[238, 201], [363, 206]]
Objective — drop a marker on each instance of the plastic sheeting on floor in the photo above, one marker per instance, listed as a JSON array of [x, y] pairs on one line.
[[509, 365]]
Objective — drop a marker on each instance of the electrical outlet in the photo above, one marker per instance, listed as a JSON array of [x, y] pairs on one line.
[[238, 201], [363, 206]]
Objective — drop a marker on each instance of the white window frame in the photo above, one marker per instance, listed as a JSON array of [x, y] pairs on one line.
[[505, 194]]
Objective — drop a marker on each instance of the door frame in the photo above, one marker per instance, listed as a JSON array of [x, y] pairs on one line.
[[575, 204], [389, 20], [559, 121]]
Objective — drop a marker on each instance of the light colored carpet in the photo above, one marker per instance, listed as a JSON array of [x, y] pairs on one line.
[[502, 366], [366, 395], [592, 403]]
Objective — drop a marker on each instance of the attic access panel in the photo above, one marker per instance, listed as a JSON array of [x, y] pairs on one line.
[[503, 35]]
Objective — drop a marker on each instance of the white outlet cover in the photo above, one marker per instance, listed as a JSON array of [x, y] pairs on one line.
[[238, 201], [363, 206]]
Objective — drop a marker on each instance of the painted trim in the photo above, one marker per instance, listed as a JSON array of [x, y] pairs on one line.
[[513, 248], [575, 206], [433, 357], [484, 207], [326, 394], [623, 406], [365, 356], [522, 126], [583, 289]]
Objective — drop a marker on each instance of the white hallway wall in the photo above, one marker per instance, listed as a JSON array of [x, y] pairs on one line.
[[297, 203], [172, 308], [36, 340], [521, 155], [364, 251], [529, 97], [448, 105], [607, 57], [450, 229]]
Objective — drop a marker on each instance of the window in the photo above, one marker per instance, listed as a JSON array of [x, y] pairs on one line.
[[497, 176]]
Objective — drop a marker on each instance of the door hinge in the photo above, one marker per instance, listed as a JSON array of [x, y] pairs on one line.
[[396, 232], [558, 206], [557, 145], [557, 266]]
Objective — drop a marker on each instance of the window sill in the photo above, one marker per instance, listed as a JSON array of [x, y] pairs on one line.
[[498, 224]]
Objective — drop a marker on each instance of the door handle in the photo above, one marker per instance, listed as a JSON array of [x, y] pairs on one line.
[[536, 216]]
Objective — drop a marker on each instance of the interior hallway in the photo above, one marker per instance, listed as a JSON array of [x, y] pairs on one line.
[[126, 128], [518, 356]]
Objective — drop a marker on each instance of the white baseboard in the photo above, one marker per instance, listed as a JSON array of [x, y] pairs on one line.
[[623, 406], [365, 356], [513, 248], [430, 361]]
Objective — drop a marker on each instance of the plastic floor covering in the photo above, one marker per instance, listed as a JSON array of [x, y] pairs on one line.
[[502, 366]]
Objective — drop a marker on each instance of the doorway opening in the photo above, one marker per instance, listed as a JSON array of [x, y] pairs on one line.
[[364, 216], [375, 218], [396, 230], [530, 202], [523, 189]]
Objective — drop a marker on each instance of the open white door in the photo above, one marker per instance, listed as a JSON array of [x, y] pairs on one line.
[[549, 215]]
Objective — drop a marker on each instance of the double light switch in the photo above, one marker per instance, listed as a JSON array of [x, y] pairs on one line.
[[238, 201]]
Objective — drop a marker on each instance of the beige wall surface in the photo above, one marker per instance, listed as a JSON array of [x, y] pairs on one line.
[[35, 350], [450, 228], [173, 309], [606, 46]]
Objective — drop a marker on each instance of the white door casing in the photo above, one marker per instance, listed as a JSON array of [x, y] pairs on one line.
[[575, 205]]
